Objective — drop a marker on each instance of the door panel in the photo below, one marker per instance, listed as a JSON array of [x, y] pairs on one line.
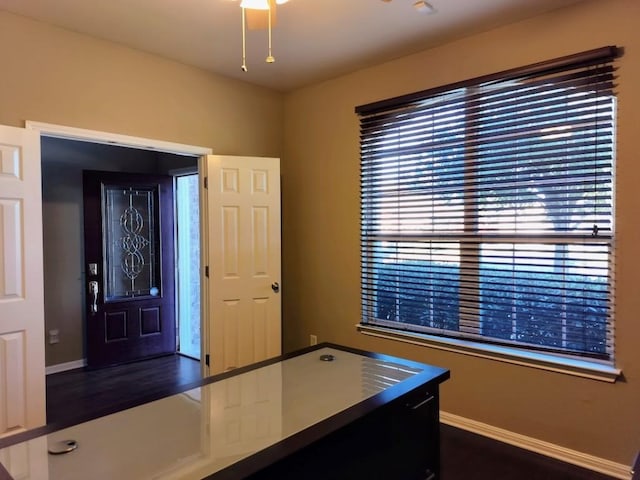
[[22, 384], [129, 258], [243, 215]]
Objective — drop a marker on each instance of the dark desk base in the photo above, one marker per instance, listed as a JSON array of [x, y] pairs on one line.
[[399, 441]]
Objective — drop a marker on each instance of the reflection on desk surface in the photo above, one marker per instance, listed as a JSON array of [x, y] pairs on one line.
[[201, 431]]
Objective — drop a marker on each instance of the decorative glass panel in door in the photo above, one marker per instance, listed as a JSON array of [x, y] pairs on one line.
[[131, 246]]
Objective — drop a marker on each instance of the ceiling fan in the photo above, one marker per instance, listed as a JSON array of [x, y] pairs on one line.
[[256, 15], [420, 6]]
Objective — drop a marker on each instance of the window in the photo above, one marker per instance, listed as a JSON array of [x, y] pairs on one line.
[[487, 208], [188, 256]]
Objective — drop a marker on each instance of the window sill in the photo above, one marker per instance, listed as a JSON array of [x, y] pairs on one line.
[[554, 363]]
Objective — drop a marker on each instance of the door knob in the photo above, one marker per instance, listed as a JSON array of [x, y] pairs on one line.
[[93, 291], [275, 286]]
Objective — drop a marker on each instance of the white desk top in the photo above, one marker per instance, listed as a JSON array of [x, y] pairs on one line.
[[199, 432]]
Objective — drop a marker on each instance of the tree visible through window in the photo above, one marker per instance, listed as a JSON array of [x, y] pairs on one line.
[[487, 208]]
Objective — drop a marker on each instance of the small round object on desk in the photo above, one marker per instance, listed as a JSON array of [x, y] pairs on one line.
[[62, 447], [327, 358]]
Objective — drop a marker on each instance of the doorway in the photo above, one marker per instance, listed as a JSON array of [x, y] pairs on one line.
[[261, 180], [65, 273]]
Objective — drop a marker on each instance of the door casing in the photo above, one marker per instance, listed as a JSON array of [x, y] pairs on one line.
[[95, 136]]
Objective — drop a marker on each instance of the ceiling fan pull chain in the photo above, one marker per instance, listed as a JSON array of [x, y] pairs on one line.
[[270, 58], [244, 41]]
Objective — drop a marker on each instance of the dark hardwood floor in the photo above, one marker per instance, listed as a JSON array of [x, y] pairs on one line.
[[80, 395], [465, 455]]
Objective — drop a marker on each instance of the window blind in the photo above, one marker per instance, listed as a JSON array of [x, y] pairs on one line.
[[487, 208]]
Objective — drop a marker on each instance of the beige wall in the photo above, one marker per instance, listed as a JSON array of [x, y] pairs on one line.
[[57, 76], [321, 229]]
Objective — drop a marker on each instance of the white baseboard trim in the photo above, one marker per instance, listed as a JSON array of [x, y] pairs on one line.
[[63, 367], [607, 467]]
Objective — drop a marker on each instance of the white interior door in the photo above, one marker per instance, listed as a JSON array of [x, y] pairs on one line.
[[243, 258], [22, 364]]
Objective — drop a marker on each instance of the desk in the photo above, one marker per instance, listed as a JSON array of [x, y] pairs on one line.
[[326, 412]]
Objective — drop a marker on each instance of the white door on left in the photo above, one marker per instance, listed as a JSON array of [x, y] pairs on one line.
[[22, 364]]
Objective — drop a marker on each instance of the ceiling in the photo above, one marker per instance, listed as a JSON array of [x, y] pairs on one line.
[[313, 40]]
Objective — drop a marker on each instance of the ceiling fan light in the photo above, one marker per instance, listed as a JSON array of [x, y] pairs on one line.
[[255, 4], [424, 7], [280, 2]]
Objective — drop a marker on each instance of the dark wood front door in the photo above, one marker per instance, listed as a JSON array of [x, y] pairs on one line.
[[129, 265]]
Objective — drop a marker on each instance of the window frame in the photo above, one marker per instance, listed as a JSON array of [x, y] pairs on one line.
[[555, 361]]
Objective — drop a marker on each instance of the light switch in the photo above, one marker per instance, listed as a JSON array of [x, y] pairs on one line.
[[54, 336]]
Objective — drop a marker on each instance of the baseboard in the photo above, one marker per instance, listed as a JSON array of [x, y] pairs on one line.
[[601, 465], [63, 367]]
